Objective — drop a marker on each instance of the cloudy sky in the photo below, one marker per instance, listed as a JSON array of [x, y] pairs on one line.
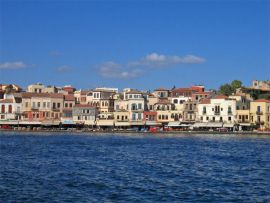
[[142, 44]]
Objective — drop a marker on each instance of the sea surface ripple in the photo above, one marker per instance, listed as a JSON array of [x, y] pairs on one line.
[[59, 167]]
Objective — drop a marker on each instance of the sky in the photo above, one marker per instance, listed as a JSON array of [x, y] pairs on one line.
[[136, 44]]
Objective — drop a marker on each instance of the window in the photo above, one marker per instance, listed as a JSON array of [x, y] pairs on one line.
[[34, 104], [214, 118], [48, 105], [26, 104], [38, 104], [37, 115], [246, 116], [175, 101], [229, 109], [159, 117], [220, 119], [118, 117], [139, 106], [229, 118], [66, 105], [204, 110], [3, 116], [44, 104], [166, 117], [133, 116], [139, 116], [70, 105], [240, 117], [58, 105], [201, 118], [9, 108], [207, 118]]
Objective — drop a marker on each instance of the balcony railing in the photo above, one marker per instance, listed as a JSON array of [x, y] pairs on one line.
[[217, 113], [229, 113], [259, 113]]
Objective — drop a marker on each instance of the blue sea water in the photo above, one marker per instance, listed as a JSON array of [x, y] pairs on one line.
[[58, 167]]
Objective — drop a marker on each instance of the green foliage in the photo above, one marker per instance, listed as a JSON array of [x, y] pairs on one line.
[[236, 84], [226, 89]]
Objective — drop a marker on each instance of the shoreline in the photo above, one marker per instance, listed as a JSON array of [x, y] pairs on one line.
[[139, 132]]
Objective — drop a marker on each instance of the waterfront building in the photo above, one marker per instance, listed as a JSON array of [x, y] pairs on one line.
[[10, 107], [84, 114], [69, 103], [121, 118], [219, 111], [81, 95], [102, 99], [161, 93], [260, 113], [190, 111], [42, 107]]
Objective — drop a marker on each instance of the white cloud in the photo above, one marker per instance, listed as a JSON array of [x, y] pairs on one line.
[[154, 60], [113, 70], [64, 69], [159, 60], [13, 65]]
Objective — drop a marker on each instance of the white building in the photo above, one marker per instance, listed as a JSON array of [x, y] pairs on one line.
[[218, 109]]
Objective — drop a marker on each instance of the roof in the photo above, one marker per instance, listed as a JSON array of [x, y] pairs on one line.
[[221, 96], [69, 97], [44, 95], [205, 93], [161, 89], [6, 101], [262, 100], [205, 101], [134, 92], [163, 101], [84, 106]]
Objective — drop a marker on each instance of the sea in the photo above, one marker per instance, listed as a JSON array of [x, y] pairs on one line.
[[107, 167]]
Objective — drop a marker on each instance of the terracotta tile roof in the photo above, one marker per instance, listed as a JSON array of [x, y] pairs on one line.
[[163, 101], [43, 95], [205, 101], [6, 101], [83, 105], [204, 93], [220, 97], [69, 97], [262, 100]]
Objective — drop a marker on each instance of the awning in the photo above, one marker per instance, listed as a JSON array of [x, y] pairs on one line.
[[50, 122], [228, 125], [214, 125], [174, 124], [67, 122], [245, 124], [121, 124], [152, 123], [105, 122], [199, 125]]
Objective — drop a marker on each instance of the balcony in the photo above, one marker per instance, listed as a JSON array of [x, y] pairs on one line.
[[229, 113], [259, 113], [217, 113]]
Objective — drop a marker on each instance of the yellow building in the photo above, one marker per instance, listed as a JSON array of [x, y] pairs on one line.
[[260, 113]]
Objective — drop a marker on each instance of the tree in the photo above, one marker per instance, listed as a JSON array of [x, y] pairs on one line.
[[236, 84], [226, 89]]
